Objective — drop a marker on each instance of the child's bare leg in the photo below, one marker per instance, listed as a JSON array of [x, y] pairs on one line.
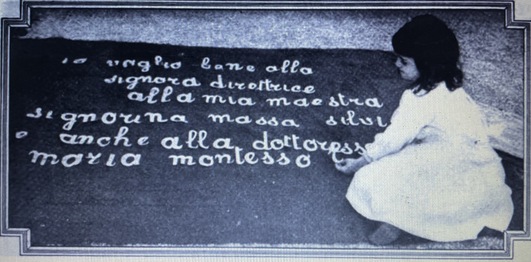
[[385, 234]]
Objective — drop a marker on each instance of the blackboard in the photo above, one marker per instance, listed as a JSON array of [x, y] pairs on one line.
[[130, 144]]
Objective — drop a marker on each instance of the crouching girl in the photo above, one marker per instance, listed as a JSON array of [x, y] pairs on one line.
[[432, 172]]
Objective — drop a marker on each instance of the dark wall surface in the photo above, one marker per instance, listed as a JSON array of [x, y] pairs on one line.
[[71, 197], [491, 53]]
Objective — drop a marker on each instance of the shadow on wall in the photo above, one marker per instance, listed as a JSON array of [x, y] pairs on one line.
[[492, 55]]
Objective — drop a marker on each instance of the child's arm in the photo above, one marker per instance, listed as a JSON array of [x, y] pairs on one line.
[[351, 165], [407, 121]]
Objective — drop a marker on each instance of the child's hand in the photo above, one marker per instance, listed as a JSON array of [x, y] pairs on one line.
[[351, 165]]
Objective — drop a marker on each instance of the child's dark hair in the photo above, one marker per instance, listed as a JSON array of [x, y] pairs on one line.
[[435, 49]]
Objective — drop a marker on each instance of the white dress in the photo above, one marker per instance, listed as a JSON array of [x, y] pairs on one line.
[[432, 172]]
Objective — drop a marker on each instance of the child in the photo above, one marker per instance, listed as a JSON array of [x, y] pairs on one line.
[[432, 172]]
